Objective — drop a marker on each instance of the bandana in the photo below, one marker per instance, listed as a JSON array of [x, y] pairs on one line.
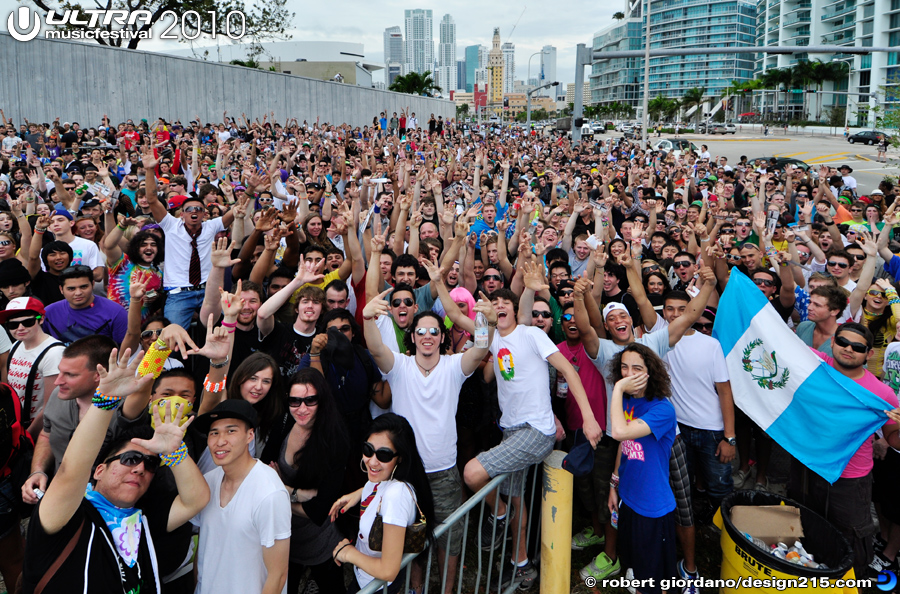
[[123, 523]]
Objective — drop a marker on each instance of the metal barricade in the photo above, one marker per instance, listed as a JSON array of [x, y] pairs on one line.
[[487, 576]]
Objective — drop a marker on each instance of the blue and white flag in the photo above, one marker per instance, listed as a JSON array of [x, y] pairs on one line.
[[817, 414]]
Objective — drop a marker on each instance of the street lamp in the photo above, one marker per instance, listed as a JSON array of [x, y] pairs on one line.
[[644, 101], [528, 101], [849, 77], [529, 65]]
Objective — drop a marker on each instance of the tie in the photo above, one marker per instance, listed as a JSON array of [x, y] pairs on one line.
[[367, 501], [194, 271]]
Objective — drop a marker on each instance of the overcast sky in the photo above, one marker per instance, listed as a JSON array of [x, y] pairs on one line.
[[563, 26]]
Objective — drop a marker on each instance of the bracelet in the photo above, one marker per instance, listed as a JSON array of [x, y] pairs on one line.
[[214, 388], [219, 365], [311, 354], [36, 472], [119, 225], [492, 324], [160, 344], [369, 318], [614, 481], [340, 549], [229, 324], [103, 402], [39, 231], [175, 458]]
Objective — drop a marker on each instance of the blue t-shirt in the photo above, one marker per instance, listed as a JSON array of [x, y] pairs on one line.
[[644, 469]]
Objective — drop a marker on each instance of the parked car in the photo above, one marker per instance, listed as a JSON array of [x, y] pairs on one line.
[[782, 161], [678, 145], [867, 137], [587, 132]]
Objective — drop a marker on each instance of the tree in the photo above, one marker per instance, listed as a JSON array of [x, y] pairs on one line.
[[694, 98], [415, 84], [264, 20], [619, 16], [462, 111]]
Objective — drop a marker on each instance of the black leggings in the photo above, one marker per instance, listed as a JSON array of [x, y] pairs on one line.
[[328, 576]]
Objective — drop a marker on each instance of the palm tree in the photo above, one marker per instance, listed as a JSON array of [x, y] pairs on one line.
[[619, 16], [694, 98], [818, 74], [802, 76], [415, 84], [462, 111]]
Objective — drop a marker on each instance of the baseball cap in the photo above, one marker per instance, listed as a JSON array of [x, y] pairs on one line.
[[177, 201], [20, 306], [876, 192], [228, 409], [63, 213], [611, 307], [580, 459]]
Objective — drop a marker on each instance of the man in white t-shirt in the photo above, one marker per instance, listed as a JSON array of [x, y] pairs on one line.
[[23, 319], [521, 355], [245, 529], [425, 390], [84, 252]]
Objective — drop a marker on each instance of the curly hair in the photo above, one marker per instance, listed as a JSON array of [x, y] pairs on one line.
[[659, 384], [443, 347]]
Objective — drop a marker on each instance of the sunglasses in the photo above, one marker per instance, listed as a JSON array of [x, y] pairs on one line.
[[493, 277], [148, 334], [265, 200], [5, 242], [742, 224], [702, 326], [407, 301], [682, 264], [193, 209], [763, 282], [27, 322], [875, 293], [309, 401], [424, 331], [567, 317], [132, 458], [857, 347], [383, 454], [832, 263], [733, 257], [566, 293], [651, 268], [541, 314], [344, 328]]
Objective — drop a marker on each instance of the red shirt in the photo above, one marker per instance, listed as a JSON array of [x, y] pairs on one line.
[[591, 379]]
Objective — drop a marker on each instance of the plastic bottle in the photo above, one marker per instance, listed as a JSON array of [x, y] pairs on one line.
[[756, 541], [481, 331]]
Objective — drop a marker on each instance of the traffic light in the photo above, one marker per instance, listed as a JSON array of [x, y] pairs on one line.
[[579, 122], [746, 90], [811, 91]]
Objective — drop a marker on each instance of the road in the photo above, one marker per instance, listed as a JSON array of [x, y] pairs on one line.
[[815, 150]]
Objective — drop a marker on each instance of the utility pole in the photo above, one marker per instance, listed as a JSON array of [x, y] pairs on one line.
[[528, 101]]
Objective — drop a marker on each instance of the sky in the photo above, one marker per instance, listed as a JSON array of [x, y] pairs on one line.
[[562, 26]]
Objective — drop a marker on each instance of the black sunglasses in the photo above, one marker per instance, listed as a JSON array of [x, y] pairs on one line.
[[857, 347], [493, 277], [682, 264], [838, 264], [701, 326], [80, 268], [344, 328], [383, 454], [309, 401], [132, 458], [759, 282], [407, 301], [540, 314], [148, 334], [27, 322]]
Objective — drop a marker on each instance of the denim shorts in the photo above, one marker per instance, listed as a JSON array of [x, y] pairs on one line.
[[446, 489]]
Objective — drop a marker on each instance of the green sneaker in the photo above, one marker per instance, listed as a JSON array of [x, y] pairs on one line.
[[601, 568], [586, 538]]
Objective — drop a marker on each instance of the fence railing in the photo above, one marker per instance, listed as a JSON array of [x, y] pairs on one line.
[[486, 577]]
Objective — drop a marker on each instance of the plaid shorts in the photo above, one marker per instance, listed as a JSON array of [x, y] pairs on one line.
[[522, 446], [680, 481]]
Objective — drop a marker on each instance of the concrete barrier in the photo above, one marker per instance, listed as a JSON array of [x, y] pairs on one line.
[[45, 79]]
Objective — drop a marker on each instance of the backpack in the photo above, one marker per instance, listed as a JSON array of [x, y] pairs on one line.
[[15, 441], [32, 374]]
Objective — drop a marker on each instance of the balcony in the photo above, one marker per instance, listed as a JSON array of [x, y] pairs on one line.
[[845, 37], [837, 13], [774, 27], [851, 25], [803, 18]]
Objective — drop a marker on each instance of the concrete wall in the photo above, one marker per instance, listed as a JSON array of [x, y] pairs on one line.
[[42, 80]]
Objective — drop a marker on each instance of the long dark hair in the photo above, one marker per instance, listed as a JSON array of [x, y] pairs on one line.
[[444, 346], [659, 384], [134, 247], [327, 445], [272, 407], [410, 468]]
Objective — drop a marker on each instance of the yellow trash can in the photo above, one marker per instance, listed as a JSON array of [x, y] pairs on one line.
[[745, 567]]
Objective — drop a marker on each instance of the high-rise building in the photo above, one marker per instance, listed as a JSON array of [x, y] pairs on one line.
[[393, 54], [585, 93], [419, 41], [548, 70], [446, 65], [509, 66], [461, 75], [619, 80], [476, 63], [495, 68]]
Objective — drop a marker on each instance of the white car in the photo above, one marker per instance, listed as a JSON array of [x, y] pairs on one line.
[[675, 146]]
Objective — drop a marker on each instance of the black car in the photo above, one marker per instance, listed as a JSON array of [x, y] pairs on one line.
[[780, 162], [867, 137]]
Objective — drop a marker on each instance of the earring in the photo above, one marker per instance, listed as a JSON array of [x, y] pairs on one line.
[[362, 465]]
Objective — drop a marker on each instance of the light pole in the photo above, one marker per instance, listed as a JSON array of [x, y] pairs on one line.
[[529, 64], [528, 102], [849, 77], [645, 100]]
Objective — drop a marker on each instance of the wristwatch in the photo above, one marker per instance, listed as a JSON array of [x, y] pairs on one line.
[[730, 441], [294, 496]]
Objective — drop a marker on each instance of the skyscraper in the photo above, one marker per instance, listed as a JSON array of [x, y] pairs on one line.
[[393, 54], [419, 40], [460, 75], [476, 60], [495, 68], [446, 69], [548, 70], [509, 66]]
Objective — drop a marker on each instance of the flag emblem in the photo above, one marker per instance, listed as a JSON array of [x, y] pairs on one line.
[[764, 369]]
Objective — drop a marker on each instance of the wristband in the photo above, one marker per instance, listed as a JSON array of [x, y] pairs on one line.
[[311, 354], [614, 481], [119, 225], [39, 231], [229, 324], [219, 365], [103, 402], [341, 549], [214, 388], [175, 458]]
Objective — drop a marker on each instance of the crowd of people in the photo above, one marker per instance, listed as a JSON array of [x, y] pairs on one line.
[[348, 276]]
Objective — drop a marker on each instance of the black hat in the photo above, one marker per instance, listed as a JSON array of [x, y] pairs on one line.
[[228, 409], [847, 167], [580, 459], [13, 272]]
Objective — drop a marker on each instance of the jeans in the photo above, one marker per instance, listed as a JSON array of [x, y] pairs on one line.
[[180, 307], [701, 447]]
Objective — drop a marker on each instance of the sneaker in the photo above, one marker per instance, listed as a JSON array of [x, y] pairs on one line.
[[600, 568], [881, 563], [586, 538], [629, 575], [740, 477], [764, 487], [487, 529], [525, 576], [880, 543], [683, 573]]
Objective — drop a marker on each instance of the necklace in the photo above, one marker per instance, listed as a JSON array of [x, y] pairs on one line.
[[428, 371]]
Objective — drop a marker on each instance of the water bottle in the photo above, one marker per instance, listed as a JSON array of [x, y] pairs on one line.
[[481, 331]]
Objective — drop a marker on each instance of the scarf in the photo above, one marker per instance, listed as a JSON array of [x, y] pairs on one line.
[[123, 523], [401, 337]]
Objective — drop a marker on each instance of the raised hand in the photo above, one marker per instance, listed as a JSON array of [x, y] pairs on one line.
[[484, 306], [221, 255], [231, 302], [169, 431], [138, 288], [310, 272], [177, 339], [120, 380], [434, 272], [267, 220], [582, 286], [318, 344], [534, 277], [217, 341], [378, 306]]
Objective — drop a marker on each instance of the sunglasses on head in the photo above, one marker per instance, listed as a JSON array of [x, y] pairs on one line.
[[309, 401], [407, 301], [701, 326], [27, 322], [491, 277], [148, 334], [857, 347], [193, 209], [384, 455], [540, 314], [682, 264], [424, 331], [132, 458], [832, 263], [763, 282]]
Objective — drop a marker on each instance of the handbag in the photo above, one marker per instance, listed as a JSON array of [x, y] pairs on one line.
[[416, 534]]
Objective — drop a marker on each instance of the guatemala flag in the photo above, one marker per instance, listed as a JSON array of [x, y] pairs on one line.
[[818, 415]]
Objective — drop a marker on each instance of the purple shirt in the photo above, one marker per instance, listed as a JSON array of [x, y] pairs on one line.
[[103, 317]]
